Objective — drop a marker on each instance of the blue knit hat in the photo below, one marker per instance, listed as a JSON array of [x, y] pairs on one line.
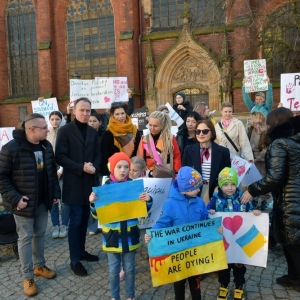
[[182, 95], [188, 179]]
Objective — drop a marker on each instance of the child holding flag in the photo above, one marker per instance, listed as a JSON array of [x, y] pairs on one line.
[[120, 239], [227, 199]]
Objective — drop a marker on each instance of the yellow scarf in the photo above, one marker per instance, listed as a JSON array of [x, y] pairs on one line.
[[124, 134]]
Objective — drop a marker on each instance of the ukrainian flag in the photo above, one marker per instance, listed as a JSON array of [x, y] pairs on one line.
[[120, 201], [251, 241]]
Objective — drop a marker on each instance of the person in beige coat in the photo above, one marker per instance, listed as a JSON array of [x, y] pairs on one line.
[[236, 131]]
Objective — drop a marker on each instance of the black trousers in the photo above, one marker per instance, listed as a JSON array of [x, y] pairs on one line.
[[239, 271], [7, 224], [194, 283], [292, 256]]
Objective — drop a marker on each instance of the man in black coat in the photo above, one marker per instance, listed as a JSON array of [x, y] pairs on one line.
[[78, 152], [29, 186]]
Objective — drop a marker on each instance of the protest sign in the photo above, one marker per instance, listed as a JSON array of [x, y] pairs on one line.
[[255, 72], [140, 114], [240, 165], [120, 87], [5, 135], [245, 237], [44, 107], [116, 201], [290, 91], [251, 176], [158, 189], [178, 252], [174, 115]]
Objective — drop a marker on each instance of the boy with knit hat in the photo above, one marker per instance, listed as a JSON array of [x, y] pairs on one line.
[[183, 206], [227, 199], [120, 239]]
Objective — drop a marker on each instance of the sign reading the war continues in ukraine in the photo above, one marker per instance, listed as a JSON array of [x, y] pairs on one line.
[[178, 252], [120, 201]]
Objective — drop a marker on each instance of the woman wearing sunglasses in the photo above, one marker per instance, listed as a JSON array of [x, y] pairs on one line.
[[207, 157], [120, 136]]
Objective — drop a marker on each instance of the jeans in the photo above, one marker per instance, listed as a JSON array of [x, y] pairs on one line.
[[114, 268], [64, 214], [93, 224], [79, 217], [31, 233]]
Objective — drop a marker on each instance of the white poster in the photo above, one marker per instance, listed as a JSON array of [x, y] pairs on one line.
[[174, 115], [245, 237], [290, 91], [251, 176], [5, 135], [120, 87], [158, 189], [255, 72], [240, 165], [44, 107]]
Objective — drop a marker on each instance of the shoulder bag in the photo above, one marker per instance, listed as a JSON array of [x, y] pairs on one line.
[[228, 138]]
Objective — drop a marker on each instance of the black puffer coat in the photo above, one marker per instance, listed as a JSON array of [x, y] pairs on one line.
[[182, 113], [283, 180], [18, 175]]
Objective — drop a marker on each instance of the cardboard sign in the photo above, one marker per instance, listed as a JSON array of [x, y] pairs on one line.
[[44, 107], [178, 252], [255, 72], [245, 237], [290, 91], [140, 114], [240, 165], [5, 135]]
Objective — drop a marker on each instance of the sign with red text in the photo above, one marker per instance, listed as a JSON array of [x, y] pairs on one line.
[[240, 165], [44, 107], [178, 252], [5, 135], [255, 72], [290, 91]]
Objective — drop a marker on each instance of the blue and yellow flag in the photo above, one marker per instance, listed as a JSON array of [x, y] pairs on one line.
[[120, 201]]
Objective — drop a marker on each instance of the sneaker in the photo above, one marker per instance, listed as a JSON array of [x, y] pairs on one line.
[[55, 232], [122, 275], [44, 272], [223, 293], [238, 293], [79, 269], [63, 232], [30, 288], [286, 280], [89, 257]]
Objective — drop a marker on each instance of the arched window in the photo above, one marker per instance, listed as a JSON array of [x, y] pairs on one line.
[[22, 48], [91, 38], [281, 40]]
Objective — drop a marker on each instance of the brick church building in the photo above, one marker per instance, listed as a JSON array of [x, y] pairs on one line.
[[162, 46]]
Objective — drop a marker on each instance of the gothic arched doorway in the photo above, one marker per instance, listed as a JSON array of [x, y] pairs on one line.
[[194, 95]]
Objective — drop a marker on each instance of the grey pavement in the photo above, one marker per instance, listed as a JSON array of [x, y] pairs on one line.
[[260, 282]]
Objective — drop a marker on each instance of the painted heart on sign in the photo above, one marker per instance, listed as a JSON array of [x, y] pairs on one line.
[[106, 99], [233, 224], [226, 244]]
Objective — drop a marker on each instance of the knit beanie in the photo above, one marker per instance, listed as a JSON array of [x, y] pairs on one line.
[[228, 175], [188, 179], [182, 95], [114, 159]]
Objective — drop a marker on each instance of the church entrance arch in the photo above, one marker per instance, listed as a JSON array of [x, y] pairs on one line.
[[194, 95]]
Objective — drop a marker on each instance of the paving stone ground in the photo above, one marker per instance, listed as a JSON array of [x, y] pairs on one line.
[[260, 282]]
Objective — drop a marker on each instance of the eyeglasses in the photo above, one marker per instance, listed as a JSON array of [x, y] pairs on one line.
[[204, 131], [45, 127]]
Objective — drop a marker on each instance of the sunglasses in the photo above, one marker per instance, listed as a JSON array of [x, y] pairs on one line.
[[204, 131]]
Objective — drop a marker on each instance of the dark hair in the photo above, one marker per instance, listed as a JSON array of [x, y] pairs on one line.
[[211, 126], [116, 105], [97, 116], [56, 113], [82, 99], [192, 114], [279, 115], [29, 118]]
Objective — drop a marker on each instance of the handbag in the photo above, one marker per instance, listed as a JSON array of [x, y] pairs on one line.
[[160, 171], [228, 138]]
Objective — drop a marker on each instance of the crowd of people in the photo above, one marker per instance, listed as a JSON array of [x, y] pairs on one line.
[[43, 165]]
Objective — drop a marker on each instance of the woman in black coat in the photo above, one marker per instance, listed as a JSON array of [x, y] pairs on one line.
[[182, 107], [207, 157], [283, 180]]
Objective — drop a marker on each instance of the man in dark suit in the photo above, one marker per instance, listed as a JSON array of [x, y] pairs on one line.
[[78, 152]]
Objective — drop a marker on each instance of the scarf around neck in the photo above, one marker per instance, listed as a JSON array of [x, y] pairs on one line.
[[124, 134], [226, 122]]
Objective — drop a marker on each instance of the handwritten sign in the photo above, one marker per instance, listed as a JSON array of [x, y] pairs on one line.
[[158, 189], [5, 135], [140, 114], [120, 87], [240, 165], [44, 107], [113, 205], [178, 252], [245, 237], [290, 91], [255, 72]]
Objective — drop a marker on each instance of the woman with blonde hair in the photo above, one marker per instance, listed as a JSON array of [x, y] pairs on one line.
[[159, 146]]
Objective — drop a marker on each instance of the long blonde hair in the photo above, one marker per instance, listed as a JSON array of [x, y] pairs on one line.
[[165, 133]]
